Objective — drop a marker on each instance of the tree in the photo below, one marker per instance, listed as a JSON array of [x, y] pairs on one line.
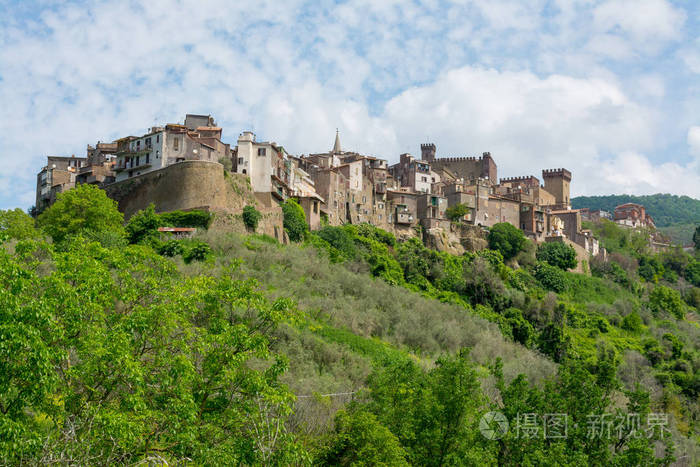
[[111, 356], [557, 254], [86, 210], [294, 220], [665, 299], [457, 212], [551, 277], [359, 440], [251, 217], [507, 239], [696, 238], [143, 224], [15, 223]]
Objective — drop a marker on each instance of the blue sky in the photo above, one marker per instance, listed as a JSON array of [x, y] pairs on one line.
[[609, 89]]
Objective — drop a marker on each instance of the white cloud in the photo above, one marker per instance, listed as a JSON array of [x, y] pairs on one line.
[[694, 140], [532, 87]]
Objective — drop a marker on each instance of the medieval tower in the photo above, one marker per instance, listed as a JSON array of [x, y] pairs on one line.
[[557, 182]]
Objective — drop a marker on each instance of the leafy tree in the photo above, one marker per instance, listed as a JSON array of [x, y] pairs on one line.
[[521, 328], [692, 272], [85, 210], [251, 217], [15, 223], [696, 238], [665, 299], [294, 220], [110, 356], [557, 254], [171, 248], [507, 239], [457, 212], [551, 277], [143, 225], [632, 322], [359, 440]]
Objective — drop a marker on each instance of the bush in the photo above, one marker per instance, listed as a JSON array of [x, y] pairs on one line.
[[665, 299], [557, 254], [171, 248], [251, 217], [142, 225], [457, 212], [507, 239], [340, 239], [83, 210], [551, 277], [632, 322], [294, 220], [198, 251], [194, 218]]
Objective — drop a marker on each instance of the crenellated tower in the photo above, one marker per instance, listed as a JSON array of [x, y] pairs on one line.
[[558, 182], [427, 152]]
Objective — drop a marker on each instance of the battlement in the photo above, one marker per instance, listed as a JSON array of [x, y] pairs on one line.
[[529, 180], [457, 159], [553, 173], [428, 146]]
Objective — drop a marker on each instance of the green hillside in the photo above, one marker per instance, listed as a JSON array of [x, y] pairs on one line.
[[666, 209], [121, 345]]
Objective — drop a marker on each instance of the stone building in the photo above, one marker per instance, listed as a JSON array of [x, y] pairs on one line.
[[633, 215], [57, 176], [164, 146], [462, 167]]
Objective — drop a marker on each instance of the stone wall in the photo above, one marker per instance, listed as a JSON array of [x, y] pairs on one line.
[[197, 185]]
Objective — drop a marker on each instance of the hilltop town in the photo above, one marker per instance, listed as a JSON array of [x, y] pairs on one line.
[[178, 166]]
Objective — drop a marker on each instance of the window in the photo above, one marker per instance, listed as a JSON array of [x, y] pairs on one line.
[[157, 138], [240, 161], [148, 157], [157, 154], [424, 179], [148, 142], [364, 199], [176, 144], [315, 207], [262, 151], [137, 160]]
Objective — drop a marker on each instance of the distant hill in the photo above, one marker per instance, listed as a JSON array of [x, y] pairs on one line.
[[667, 210]]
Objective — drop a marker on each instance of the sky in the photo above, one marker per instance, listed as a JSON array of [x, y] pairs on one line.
[[609, 89]]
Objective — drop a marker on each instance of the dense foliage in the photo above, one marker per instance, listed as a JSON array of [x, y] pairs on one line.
[[507, 239], [16, 224], [294, 220], [664, 208], [251, 217], [557, 254], [193, 350], [86, 209]]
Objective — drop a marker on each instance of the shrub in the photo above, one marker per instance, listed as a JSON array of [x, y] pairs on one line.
[[341, 239], [251, 217], [457, 212], [551, 277], [557, 254], [507, 239], [194, 218], [632, 322], [294, 220], [198, 251], [85, 210], [665, 299], [171, 248], [692, 272], [143, 224]]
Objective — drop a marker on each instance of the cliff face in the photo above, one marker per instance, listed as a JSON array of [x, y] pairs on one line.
[[198, 185], [454, 238]]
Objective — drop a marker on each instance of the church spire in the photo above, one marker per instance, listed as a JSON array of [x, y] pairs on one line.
[[336, 146]]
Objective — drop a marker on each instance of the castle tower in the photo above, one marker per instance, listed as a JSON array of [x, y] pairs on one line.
[[336, 146], [427, 152], [557, 182]]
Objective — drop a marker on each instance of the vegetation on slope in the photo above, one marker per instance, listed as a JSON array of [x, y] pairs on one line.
[[135, 355], [664, 208]]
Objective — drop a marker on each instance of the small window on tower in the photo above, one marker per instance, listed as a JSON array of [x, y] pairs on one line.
[[262, 151]]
